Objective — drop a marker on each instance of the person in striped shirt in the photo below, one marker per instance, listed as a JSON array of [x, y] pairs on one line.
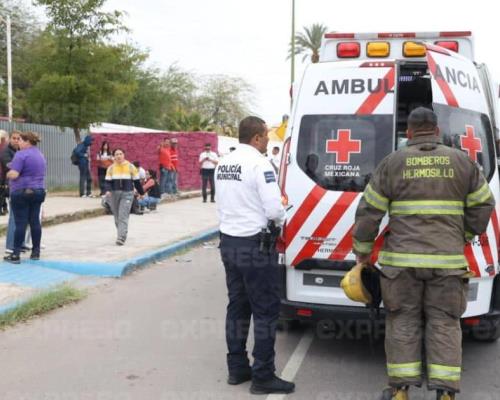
[[121, 179]]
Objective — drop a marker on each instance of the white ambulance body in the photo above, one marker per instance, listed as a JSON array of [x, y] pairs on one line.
[[349, 112]]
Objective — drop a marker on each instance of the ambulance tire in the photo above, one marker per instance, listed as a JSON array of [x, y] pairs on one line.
[[488, 330]]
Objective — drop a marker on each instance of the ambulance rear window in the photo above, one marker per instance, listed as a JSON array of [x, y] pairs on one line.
[[340, 152], [469, 131]]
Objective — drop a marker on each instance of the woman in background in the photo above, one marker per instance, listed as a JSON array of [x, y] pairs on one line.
[[121, 178]]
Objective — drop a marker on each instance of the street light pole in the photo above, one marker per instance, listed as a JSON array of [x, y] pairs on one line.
[[9, 66]]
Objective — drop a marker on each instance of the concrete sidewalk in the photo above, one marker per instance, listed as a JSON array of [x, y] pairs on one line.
[[87, 247], [60, 208]]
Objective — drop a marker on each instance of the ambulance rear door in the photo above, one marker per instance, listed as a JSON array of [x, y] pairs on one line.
[[460, 102], [343, 126]]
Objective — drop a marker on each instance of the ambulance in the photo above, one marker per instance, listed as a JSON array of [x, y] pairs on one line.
[[349, 111]]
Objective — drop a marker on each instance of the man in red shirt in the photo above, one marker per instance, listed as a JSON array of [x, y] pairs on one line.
[[174, 157], [166, 166]]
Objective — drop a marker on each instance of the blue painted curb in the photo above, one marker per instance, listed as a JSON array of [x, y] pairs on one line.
[[117, 269], [83, 268]]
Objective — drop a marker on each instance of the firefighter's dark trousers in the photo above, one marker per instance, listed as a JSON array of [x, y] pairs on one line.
[[424, 305], [253, 290]]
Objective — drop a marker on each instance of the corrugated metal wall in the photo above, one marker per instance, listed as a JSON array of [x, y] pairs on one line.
[[56, 145]]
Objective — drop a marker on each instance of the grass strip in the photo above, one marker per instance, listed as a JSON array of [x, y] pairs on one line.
[[42, 303]]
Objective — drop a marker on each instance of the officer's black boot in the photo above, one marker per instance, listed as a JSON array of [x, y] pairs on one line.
[[273, 385]]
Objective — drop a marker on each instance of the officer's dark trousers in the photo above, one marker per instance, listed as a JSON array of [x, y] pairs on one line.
[[253, 290]]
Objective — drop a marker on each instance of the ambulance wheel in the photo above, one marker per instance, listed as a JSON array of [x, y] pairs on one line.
[[488, 330]]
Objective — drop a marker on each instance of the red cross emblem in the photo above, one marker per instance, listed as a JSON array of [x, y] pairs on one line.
[[343, 146], [470, 143]]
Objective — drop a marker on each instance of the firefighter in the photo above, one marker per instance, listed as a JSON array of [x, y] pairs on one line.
[[248, 201], [437, 199]]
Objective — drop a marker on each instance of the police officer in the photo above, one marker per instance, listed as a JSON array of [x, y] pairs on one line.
[[437, 198], [248, 198]]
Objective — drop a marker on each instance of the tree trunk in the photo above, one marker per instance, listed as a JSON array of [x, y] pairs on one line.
[[76, 130]]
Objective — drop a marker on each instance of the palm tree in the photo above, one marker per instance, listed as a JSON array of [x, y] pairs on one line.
[[309, 42]]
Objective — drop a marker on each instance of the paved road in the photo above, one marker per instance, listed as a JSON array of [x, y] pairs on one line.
[[159, 334]]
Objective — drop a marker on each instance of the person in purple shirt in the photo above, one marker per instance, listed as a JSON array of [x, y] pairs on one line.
[[27, 193]]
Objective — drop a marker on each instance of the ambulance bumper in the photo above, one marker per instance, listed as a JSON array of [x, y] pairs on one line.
[[293, 311]]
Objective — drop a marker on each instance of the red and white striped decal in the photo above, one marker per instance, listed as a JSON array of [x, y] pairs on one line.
[[344, 247], [471, 259], [488, 256], [443, 85], [374, 99], [304, 211], [326, 225]]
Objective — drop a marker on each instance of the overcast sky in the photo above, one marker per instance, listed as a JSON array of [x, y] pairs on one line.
[[249, 39]]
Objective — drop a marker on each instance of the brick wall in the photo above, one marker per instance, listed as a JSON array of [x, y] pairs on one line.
[[143, 147]]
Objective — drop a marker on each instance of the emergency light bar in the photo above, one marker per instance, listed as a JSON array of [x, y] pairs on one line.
[[395, 45]]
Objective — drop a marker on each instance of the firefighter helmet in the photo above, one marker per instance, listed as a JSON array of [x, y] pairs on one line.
[[362, 284]]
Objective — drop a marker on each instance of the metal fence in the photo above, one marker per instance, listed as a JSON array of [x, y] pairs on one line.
[[56, 144]]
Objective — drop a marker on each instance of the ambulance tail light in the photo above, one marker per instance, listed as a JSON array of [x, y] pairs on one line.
[[378, 49], [450, 45], [472, 321], [304, 312], [412, 49], [348, 50]]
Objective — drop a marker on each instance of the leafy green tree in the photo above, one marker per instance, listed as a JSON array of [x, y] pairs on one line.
[[224, 101], [145, 106], [159, 98], [80, 78], [308, 42]]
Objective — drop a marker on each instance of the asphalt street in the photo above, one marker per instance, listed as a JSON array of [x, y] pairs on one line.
[[159, 334]]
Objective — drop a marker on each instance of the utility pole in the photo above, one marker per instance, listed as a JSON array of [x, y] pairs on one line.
[[9, 65]]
